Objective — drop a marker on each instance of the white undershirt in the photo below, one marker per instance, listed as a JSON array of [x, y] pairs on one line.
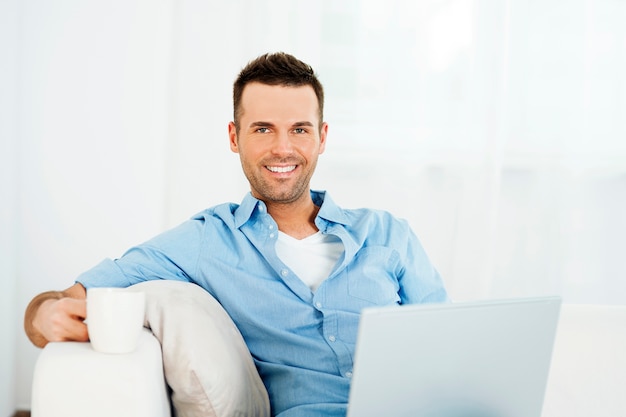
[[312, 258]]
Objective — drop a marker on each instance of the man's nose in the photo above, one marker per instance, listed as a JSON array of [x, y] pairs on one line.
[[282, 143]]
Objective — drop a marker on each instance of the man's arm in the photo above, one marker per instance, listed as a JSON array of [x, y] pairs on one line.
[[56, 316]]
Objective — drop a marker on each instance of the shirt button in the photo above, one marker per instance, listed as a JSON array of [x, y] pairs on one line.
[[272, 235], [348, 374], [284, 272], [318, 305], [271, 227], [261, 207], [332, 338]]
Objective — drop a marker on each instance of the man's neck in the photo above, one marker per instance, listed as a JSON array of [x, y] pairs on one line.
[[297, 219]]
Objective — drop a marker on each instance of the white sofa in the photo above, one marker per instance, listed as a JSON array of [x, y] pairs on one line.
[[587, 378], [193, 357], [72, 380], [588, 372]]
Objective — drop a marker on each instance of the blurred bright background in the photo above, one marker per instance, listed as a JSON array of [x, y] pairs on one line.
[[496, 128]]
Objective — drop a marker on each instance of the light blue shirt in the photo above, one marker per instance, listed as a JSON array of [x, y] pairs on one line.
[[302, 341]]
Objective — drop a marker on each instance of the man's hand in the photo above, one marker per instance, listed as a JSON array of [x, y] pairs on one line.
[[57, 316]]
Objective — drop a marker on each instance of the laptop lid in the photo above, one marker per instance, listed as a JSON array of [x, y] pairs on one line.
[[473, 359]]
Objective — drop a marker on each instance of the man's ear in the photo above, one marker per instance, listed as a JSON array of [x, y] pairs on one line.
[[323, 134], [232, 136]]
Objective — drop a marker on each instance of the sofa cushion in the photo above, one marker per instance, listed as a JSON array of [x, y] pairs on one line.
[[206, 361]]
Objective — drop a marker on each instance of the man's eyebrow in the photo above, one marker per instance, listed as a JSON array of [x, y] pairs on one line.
[[297, 124], [261, 124]]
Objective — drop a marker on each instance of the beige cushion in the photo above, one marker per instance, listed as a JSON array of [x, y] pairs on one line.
[[206, 361]]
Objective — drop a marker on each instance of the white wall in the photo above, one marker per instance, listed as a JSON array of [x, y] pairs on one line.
[[92, 128], [496, 128], [9, 324]]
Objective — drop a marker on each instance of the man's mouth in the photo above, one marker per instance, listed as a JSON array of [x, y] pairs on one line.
[[281, 169]]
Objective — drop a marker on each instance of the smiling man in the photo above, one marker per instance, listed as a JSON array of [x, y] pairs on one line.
[[292, 269]]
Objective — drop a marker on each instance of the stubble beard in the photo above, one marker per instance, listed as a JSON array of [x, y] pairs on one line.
[[279, 191]]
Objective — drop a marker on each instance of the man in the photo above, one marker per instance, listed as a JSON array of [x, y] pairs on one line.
[[291, 268]]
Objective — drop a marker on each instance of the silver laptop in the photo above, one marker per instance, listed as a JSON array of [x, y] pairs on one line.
[[478, 359]]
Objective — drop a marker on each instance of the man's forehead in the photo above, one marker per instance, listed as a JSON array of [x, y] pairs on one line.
[[256, 87], [263, 100]]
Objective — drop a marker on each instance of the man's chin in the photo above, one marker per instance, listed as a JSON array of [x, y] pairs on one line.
[[280, 197]]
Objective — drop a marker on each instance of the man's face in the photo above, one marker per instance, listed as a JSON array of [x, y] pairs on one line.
[[279, 140]]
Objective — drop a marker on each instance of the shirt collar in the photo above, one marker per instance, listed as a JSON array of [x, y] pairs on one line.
[[329, 211], [246, 208]]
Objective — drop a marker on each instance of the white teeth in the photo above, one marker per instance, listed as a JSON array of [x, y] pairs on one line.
[[282, 169]]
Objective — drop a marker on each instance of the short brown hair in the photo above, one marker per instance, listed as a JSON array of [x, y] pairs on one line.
[[277, 69]]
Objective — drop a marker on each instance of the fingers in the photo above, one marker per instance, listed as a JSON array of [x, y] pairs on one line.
[[76, 311], [73, 307], [62, 320]]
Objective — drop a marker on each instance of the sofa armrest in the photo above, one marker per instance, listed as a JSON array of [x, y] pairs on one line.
[[588, 372], [73, 380]]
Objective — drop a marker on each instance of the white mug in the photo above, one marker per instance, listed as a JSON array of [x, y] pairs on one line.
[[114, 319]]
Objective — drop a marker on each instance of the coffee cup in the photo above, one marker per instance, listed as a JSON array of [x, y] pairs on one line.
[[114, 319]]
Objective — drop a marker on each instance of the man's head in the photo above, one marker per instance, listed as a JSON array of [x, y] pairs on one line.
[[277, 69], [278, 130]]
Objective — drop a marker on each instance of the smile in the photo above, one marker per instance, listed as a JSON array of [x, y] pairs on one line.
[[288, 168]]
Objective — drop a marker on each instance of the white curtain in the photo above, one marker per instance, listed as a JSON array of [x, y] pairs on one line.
[[497, 128]]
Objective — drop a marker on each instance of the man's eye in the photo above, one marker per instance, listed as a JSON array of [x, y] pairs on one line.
[[299, 130], [262, 130]]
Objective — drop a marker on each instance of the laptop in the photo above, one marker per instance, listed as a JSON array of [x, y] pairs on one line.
[[471, 359]]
